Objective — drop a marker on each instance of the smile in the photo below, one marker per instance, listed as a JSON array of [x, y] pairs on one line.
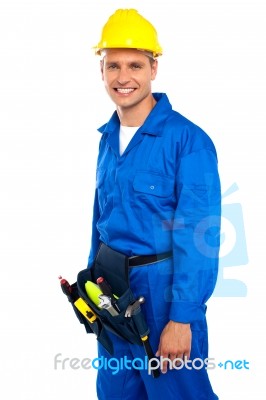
[[124, 90]]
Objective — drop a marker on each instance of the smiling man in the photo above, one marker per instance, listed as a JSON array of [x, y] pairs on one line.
[[157, 202]]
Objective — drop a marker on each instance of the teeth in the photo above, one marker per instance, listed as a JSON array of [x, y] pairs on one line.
[[120, 90]]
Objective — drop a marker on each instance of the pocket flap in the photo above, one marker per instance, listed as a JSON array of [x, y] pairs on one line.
[[153, 183]]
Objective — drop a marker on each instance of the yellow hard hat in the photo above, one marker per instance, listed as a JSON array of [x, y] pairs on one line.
[[127, 29]]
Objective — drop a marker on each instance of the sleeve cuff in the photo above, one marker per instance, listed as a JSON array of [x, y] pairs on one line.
[[187, 312]]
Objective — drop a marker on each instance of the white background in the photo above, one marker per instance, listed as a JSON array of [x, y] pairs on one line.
[[51, 102]]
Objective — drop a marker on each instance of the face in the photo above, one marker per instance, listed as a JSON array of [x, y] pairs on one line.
[[127, 75]]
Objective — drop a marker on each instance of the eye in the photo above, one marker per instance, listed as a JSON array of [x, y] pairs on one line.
[[112, 67], [136, 66]]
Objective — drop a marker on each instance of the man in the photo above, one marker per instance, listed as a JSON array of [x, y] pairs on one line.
[[157, 193]]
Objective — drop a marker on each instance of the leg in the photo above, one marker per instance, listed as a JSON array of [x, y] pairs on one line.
[[153, 282], [116, 382], [180, 383]]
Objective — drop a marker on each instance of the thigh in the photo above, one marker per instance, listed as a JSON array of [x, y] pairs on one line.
[[117, 379], [154, 282], [189, 382]]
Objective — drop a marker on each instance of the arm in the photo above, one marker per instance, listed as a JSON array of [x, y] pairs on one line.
[[95, 241], [195, 249]]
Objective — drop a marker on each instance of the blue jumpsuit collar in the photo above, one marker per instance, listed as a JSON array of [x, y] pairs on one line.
[[152, 124]]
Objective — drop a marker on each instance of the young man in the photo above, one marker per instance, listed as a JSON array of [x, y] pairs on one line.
[[157, 193]]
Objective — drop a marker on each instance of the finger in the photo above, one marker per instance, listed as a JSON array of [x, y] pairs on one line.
[[178, 359], [173, 358], [165, 362], [158, 352], [187, 354]]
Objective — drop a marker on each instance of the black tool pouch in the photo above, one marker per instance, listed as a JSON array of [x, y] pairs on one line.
[[113, 267]]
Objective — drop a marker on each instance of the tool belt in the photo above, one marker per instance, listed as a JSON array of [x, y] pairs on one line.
[[114, 268]]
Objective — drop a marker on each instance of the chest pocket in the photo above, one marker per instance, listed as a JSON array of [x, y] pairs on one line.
[[153, 183]]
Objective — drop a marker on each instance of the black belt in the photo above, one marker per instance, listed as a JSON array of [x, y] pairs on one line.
[[136, 261]]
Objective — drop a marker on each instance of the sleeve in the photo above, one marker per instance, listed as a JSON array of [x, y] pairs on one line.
[[95, 236], [196, 237]]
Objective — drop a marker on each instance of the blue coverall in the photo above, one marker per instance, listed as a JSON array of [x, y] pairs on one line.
[[162, 194]]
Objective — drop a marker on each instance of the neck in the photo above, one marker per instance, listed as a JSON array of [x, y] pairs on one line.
[[136, 115]]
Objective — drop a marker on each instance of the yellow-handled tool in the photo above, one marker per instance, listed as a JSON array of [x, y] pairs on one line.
[[85, 310], [79, 303]]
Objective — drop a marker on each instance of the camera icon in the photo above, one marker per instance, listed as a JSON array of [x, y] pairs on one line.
[[233, 249]]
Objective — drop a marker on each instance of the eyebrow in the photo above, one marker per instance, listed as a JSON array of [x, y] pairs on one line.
[[129, 63]]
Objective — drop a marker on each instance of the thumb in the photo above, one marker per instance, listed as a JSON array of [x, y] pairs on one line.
[[158, 352]]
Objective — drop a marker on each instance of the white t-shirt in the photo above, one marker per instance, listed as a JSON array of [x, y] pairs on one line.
[[125, 135]]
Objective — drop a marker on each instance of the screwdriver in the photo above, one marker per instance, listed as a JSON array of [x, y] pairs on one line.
[[66, 289], [107, 291], [79, 303]]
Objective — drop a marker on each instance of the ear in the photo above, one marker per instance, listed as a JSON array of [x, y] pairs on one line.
[[154, 68], [101, 67]]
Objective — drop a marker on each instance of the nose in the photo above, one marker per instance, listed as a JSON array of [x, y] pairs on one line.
[[123, 77]]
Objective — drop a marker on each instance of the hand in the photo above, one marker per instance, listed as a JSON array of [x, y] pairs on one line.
[[175, 342]]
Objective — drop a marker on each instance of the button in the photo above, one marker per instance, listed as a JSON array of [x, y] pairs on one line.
[[152, 187]]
